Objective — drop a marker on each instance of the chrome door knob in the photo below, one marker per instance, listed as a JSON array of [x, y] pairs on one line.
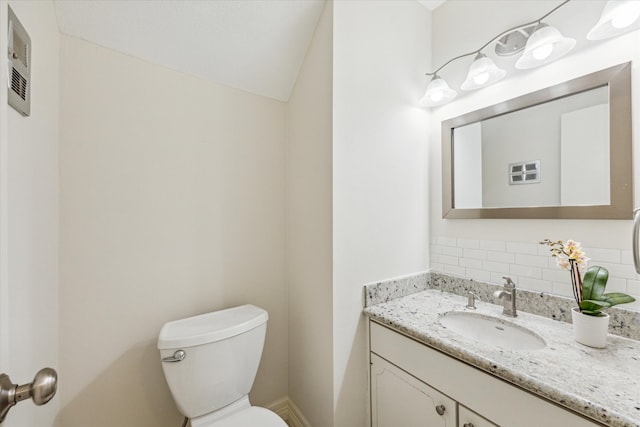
[[41, 390], [440, 409], [44, 386]]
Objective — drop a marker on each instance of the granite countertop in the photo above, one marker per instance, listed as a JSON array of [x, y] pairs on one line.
[[603, 384]]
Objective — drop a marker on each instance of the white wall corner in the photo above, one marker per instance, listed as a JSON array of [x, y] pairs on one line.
[[288, 411]]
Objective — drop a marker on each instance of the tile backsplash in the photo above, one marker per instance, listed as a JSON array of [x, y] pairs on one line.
[[529, 264]]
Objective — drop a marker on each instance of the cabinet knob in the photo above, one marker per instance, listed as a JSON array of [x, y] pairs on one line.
[[440, 409], [468, 425]]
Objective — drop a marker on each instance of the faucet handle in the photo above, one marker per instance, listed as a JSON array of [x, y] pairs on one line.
[[509, 283], [471, 300]]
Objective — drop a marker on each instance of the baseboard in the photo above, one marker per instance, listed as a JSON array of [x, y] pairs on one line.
[[288, 411], [280, 407]]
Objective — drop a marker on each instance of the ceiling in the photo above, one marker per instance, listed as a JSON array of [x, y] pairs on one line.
[[254, 45]]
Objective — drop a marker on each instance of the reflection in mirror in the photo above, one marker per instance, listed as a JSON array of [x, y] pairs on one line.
[[562, 152], [552, 154]]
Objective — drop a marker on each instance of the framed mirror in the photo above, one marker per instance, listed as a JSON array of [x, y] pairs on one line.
[[561, 152]]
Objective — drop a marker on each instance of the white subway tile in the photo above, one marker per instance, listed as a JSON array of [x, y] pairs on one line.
[[447, 260], [633, 286], [526, 271], [493, 245], [621, 270], [435, 249], [469, 243], [553, 263], [522, 248], [532, 260], [556, 275], [535, 284], [626, 257], [603, 255], [471, 263], [454, 270], [496, 267], [474, 253], [615, 284], [561, 288], [437, 267], [451, 251], [446, 241], [478, 275], [501, 257], [498, 278], [544, 250]]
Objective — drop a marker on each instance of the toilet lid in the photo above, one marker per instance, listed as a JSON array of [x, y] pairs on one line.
[[253, 416]]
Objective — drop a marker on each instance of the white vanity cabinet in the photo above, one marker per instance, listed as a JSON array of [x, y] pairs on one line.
[[398, 399], [409, 380], [468, 418]]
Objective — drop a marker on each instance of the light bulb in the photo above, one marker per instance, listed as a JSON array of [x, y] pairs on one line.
[[438, 92], [481, 78], [436, 96], [543, 51]]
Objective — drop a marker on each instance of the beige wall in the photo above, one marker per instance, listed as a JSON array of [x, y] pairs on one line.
[[380, 201], [172, 205], [460, 25], [309, 229], [29, 216]]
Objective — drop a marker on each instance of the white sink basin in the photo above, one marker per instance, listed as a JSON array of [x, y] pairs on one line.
[[492, 331]]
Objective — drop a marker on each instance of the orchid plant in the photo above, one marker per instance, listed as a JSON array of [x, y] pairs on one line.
[[588, 292]]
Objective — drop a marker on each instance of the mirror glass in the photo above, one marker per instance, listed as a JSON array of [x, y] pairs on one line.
[[563, 152], [552, 154]]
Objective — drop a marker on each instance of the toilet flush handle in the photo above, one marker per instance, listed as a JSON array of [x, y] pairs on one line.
[[178, 356]]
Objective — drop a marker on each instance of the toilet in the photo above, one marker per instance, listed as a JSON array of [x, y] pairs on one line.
[[210, 362]]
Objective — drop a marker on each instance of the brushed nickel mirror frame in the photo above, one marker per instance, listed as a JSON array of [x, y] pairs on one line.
[[618, 79]]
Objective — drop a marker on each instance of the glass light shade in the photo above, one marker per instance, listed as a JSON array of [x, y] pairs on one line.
[[438, 92], [482, 72], [618, 17], [545, 45]]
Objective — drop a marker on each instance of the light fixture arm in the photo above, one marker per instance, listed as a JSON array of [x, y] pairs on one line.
[[498, 37]]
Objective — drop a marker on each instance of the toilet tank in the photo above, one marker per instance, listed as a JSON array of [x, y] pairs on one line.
[[222, 352]]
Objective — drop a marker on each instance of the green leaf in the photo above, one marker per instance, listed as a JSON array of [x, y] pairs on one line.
[[615, 298], [594, 282], [593, 313], [593, 305]]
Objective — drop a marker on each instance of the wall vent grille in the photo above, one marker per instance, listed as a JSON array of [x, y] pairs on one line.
[[18, 84], [524, 172], [19, 55]]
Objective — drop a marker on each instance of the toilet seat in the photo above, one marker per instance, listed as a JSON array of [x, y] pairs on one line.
[[253, 416]]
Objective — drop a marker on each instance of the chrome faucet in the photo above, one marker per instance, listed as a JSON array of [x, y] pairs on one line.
[[471, 300], [508, 295]]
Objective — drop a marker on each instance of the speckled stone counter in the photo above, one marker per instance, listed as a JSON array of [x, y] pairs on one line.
[[603, 384]]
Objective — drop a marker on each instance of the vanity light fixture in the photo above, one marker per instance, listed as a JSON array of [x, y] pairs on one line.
[[539, 43], [483, 72], [545, 44], [618, 17], [438, 92]]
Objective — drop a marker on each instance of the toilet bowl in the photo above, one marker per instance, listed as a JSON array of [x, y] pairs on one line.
[[210, 362]]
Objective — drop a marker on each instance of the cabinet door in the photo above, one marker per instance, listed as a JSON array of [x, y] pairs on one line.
[[468, 418], [400, 400], [501, 402]]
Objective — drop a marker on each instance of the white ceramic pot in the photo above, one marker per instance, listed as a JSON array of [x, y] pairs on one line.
[[590, 330]]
